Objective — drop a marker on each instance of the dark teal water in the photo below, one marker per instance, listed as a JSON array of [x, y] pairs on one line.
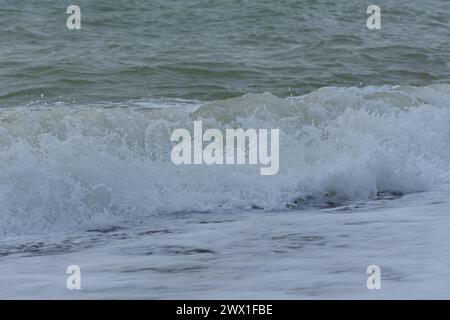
[[211, 49]]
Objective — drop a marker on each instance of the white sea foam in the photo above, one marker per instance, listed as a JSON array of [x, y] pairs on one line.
[[65, 167]]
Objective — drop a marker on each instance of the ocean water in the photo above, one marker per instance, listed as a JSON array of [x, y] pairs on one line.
[[86, 176]]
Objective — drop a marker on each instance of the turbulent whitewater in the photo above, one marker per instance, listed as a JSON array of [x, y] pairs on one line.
[[68, 166]]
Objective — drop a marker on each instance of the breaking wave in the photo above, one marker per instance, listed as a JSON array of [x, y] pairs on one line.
[[65, 167]]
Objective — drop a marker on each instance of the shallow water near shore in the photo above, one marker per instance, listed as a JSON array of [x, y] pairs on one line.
[[310, 254]]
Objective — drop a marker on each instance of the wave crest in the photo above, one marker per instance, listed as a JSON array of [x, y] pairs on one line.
[[66, 167]]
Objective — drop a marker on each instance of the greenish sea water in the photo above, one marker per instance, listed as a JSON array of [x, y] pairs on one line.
[[215, 49]]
